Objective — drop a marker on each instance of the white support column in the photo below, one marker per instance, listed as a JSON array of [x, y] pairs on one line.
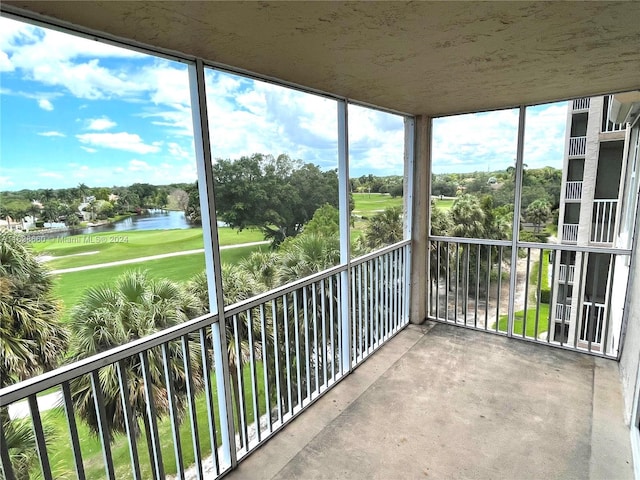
[[212, 257], [345, 233], [409, 161], [420, 220], [517, 202]]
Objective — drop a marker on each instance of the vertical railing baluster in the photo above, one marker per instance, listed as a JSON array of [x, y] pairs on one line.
[[276, 356], [355, 332], [368, 312], [500, 249], [465, 288], [488, 289], [287, 353], [456, 298], [103, 425], [130, 423], [539, 293], [316, 350], [191, 400], [75, 440], [437, 277], [239, 390], [6, 466], [475, 305], [607, 311], [526, 293], [155, 454], [342, 365], [265, 366], [307, 353], [323, 308], [41, 442], [332, 348], [447, 283], [553, 298], [296, 332], [360, 307], [255, 392], [173, 411], [211, 416]]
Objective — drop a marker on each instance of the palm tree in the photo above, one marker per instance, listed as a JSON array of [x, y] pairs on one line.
[[238, 284], [384, 228], [307, 254], [110, 315], [467, 217], [32, 339]]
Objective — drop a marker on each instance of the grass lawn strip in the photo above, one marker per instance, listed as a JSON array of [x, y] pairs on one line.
[[116, 246]]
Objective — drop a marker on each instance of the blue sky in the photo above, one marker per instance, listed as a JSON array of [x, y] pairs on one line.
[[74, 110]]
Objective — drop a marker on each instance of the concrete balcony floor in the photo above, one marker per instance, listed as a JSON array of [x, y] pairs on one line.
[[440, 401]]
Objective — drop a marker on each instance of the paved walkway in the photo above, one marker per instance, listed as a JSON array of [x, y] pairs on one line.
[[151, 257]]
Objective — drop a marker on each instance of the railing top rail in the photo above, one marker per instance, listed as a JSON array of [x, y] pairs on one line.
[[65, 373], [574, 248], [240, 307], [382, 251], [483, 241], [604, 200], [545, 246]]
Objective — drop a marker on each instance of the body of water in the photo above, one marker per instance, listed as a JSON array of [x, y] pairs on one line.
[[154, 220]]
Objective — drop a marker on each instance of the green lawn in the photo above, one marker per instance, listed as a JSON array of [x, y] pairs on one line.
[[445, 203], [69, 287], [367, 204], [543, 322], [114, 246], [62, 457]]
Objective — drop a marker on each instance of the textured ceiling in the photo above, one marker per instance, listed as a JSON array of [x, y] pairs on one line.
[[415, 57]]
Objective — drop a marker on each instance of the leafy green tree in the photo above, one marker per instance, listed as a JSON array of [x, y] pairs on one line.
[[325, 222], [192, 210], [277, 195], [110, 315]]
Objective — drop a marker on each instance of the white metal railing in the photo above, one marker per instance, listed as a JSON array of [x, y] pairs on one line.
[[593, 316], [577, 146], [581, 103], [608, 125], [563, 312], [469, 286], [570, 232], [562, 273], [573, 190], [285, 348], [604, 220]]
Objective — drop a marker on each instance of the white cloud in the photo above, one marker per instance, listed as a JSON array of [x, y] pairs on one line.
[[99, 124], [45, 104], [488, 141], [52, 133], [176, 151], [6, 182], [129, 142], [138, 165], [50, 175], [88, 149], [5, 63]]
